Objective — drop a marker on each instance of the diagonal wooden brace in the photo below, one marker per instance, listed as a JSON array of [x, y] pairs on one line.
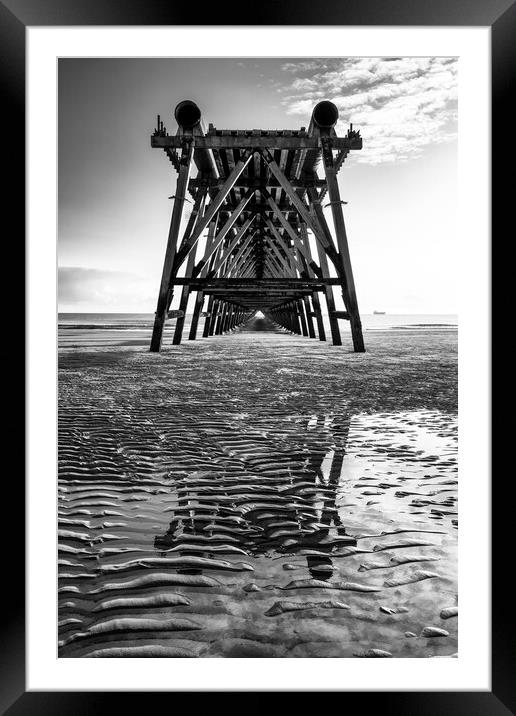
[[325, 240], [229, 250], [222, 233], [214, 206], [292, 234]]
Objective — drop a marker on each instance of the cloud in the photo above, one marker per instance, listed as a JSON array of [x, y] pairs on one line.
[[87, 286], [400, 105]]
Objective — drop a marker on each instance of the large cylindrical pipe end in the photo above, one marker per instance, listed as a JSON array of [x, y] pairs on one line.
[[325, 114], [187, 114]]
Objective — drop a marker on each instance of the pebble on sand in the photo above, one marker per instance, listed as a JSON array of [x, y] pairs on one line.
[[434, 631], [252, 587], [374, 654], [282, 607], [394, 610], [449, 612]]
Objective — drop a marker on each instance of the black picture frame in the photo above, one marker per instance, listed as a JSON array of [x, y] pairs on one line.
[[15, 17]]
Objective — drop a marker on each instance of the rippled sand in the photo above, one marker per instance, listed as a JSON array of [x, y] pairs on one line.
[[258, 495]]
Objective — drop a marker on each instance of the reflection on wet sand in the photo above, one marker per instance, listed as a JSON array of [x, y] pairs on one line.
[[274, 505], [290, 513]]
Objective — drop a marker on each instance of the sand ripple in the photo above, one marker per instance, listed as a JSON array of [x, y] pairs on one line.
[[191, 493]]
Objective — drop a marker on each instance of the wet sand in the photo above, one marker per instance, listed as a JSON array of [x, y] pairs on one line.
[[258, 495]]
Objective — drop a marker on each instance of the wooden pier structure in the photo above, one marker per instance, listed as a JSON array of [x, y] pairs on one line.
[[255, 199]]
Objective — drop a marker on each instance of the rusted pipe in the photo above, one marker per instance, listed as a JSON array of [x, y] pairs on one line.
[[325, 114], [187, 114]]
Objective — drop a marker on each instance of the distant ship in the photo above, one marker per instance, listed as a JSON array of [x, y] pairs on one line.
[[378, 313]]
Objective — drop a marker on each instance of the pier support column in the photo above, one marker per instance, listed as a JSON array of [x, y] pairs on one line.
[[328, 290], [300, 310], [185, 293], [214, 315], [309, 317], [207, 322], [348, 285], [318, 316], [165, 291], [199, 301]]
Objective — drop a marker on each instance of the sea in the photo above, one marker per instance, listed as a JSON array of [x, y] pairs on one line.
[[370, 321]]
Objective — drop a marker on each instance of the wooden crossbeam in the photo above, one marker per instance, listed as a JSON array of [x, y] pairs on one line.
[[245, 294], [255, 143], [245, 183], [258, 282]]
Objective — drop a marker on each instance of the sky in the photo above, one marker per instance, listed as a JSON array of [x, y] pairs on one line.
[[401, 188]]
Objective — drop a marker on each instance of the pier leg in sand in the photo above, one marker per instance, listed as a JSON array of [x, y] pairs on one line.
[[165, 293], [348, 284]]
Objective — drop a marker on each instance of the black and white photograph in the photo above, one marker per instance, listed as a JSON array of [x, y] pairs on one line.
[[257, 345]]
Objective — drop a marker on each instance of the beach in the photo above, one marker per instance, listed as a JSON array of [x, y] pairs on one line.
[[257, 494]]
